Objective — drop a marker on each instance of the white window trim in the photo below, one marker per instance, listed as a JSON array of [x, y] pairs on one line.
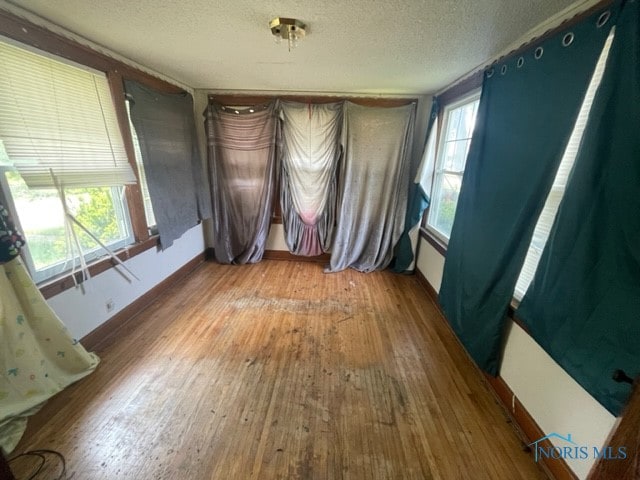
[[438, 172]]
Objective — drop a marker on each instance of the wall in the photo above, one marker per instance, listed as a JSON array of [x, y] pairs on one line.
[[276, 234], [84, 312], [556, 401]]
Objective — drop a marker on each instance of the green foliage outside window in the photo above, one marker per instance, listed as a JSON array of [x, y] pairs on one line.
[[40, 213]]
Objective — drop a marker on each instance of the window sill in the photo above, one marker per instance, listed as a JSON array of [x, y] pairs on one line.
[[435, 242], [442, 249], [513, 306], [59, 284]]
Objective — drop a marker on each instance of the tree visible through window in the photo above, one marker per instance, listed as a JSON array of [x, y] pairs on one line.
[[41, 219]]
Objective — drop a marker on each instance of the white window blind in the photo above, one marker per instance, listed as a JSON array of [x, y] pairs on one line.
[[59, 117], [548, 215]]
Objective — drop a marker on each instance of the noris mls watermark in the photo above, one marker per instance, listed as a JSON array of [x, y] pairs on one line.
[[566, 448]]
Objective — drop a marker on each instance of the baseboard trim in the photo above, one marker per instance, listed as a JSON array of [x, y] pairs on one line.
[[422, 280], [528, 428], [288, 256], [94, 338], [521, 419]]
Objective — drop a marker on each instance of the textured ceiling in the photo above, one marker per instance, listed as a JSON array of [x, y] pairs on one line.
[[359, 46]]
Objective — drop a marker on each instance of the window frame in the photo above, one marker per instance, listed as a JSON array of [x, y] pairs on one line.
[[469, 96], [149, 214], [27, 33], [60, 268]]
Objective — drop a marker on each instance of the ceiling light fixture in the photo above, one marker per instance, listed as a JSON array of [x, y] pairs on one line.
[[288, 29]]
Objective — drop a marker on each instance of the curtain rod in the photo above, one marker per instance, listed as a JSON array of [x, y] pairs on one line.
[[563, 19], [248, 99]]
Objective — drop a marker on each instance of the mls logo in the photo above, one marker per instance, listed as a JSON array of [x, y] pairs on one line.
[[566, 448]]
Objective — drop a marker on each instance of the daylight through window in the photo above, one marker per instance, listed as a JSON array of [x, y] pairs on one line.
[[458, 123], [57, 119]]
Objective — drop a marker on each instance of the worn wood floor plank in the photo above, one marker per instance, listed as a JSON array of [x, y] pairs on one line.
[[278, 370]]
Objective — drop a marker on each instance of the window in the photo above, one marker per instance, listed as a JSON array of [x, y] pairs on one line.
[[57, 120], [548, 214], [457, 128], [146, 198], [40, 215]]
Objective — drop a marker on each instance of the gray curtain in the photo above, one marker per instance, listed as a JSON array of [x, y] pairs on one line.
[[310, 154], [178, 188], [242, 170], [373, 186]]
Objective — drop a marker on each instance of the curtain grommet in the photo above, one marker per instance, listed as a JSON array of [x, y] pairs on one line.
[[503, 70], [520, 62], [490, 72], [603, 19], [538, 53], [568, 39]]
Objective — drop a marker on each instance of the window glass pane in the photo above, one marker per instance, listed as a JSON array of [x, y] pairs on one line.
[[467, 120], [452, 124], [455, 155], [446, 201], [42, 221], [100, 209]]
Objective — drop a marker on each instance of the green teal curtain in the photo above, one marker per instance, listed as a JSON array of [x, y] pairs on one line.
[[527, 110], [418, 202], [583, 306]]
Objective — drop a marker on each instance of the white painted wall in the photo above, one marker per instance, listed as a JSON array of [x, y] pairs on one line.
[[276, 238], [557, 402], [554, 399], [84, 312], [430, 263]]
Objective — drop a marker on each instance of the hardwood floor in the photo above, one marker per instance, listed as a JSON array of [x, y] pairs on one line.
[[278, 370]]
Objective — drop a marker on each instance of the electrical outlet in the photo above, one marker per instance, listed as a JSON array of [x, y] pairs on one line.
[[110, 305]]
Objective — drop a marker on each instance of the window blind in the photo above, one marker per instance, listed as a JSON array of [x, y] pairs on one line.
[[548, 214], [4, 158], [58, 117]]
